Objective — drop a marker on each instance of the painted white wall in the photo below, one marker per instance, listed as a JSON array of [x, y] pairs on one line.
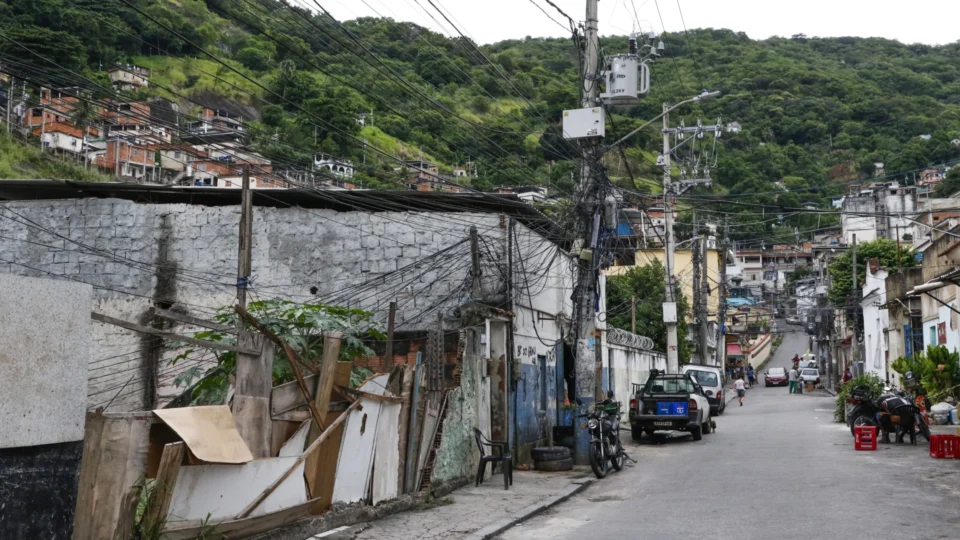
[[875, 322]]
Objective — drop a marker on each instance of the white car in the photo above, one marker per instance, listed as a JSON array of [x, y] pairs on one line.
[[810, 375], [710, 379]]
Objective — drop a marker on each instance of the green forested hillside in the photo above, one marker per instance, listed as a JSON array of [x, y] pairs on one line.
[[815, 112]]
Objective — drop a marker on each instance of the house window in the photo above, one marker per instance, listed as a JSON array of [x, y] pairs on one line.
[[933, 335], [136, 152], [176, 155], [202, 167], [542, 362]]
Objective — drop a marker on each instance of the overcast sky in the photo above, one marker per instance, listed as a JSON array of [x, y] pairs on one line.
[[487, 21]]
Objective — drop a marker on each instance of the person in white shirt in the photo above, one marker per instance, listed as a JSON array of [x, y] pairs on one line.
[[741, 389], [794, 384]]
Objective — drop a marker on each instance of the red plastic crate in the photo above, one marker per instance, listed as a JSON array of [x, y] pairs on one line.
[[865, 438], [945, 446]]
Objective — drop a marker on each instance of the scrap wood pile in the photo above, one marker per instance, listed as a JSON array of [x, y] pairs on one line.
[[197, 470]]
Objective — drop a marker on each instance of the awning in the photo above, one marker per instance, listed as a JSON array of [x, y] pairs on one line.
[[733, 349]]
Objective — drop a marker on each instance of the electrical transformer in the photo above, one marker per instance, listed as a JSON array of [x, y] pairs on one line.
[[627, 80]]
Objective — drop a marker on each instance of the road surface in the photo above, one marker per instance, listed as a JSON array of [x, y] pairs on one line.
[[778, 467]]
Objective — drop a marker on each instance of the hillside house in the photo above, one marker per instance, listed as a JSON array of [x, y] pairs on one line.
[[339, 167], [127, 158], [128, 77]]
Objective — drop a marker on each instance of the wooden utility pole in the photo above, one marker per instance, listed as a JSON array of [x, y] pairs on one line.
[[244, 258], [391, 323], [855, 346], [475, 262], [10, 101]]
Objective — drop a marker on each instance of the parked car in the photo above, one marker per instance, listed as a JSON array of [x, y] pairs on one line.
[[776, 376], [670, 402], [710, 378], [793, 320], [810, 375], [811, 328]]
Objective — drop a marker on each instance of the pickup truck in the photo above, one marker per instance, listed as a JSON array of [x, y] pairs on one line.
[[670, 402]]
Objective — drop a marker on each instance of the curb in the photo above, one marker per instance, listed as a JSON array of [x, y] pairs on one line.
[[494, 529]]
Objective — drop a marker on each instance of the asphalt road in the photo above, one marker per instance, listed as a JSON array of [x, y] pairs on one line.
[[778, 467]]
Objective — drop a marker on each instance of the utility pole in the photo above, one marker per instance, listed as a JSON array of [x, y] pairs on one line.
[[721, 356], [10, 101], [697, 269], [670, 314], [587, 348], [633, 314], [475, 290], [245, 255], [855, 346], [704, 300]]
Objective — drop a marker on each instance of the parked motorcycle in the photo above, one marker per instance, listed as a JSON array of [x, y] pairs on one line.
[[865, 412], [865, 409], [605, 448]]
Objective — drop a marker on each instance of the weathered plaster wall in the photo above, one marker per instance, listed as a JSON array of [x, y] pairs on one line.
[[140, 255], [458, 455], [625, 366]]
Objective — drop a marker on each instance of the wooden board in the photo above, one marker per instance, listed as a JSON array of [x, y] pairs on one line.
[[115, 459], [223, 491], [210, 433], [356, 451], [295, 445], [386, 456], [287, 396], [431, 420], [321, 487], [242, 528]]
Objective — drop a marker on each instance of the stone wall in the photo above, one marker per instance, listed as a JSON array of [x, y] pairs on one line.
[[185, 257]]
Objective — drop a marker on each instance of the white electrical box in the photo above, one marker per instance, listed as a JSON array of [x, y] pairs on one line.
[[669, 312], [583, 123]]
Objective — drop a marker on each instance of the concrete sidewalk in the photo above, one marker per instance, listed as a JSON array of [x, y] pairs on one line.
[[474, 513]]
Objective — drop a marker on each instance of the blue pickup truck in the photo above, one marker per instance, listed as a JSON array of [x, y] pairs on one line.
[[670, 402]]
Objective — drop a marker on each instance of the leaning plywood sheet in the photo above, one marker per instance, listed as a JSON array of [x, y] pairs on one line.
[[210, 433], [223, 491], [386, 460], [295, 445], [356, 450], [431, 419]]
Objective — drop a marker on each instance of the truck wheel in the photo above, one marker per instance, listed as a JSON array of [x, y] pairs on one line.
[[636, 433], [696, 432], [707, 428]]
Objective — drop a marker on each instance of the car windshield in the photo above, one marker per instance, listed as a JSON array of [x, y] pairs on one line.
[[810, 372], [776, 371], [705, 378], [669, 386]]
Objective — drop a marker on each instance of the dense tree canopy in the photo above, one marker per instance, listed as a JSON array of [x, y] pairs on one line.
[[816, 113]]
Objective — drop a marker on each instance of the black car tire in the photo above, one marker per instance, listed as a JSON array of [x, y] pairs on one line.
[[707, 428], [550, 453], [636, 433], [696, 432], [554, 465]]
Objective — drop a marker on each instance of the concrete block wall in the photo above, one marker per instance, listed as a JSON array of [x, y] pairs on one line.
[[185, 257]]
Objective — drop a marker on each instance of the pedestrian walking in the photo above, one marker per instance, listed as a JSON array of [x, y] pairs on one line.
[[751, 375], [794, 377], [847, 375], [741, 390]]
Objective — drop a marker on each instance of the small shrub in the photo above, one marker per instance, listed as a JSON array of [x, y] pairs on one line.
[[870, 379]]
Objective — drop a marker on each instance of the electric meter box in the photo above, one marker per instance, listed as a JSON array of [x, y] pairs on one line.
[[583, 123], [627, 80], [669, 312]]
